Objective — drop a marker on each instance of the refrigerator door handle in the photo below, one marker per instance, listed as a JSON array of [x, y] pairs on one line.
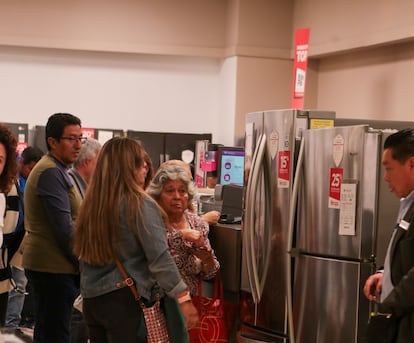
[[249, 225], [292, 211], [267, 236], [256, 285]]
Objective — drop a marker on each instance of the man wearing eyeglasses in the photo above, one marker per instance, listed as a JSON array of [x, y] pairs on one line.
[[51, 204]]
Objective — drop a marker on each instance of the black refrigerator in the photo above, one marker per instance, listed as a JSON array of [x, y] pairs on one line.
[[163, 146]]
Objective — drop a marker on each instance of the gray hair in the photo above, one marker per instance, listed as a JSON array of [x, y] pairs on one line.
[[88, 151], [170, 173]]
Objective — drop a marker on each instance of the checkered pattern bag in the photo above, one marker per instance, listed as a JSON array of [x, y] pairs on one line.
[[155, 321], [156, 324]]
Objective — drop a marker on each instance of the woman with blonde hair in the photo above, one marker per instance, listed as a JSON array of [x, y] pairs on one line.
[[118, 220]]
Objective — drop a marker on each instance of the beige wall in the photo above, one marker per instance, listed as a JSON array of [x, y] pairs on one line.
[[262, 84], [376, 83], [264, 64], [361, 56], [338, 25], [208, 28], [249, 39], [179, 27]]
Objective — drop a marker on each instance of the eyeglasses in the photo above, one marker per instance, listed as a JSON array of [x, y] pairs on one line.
[[73, 139]]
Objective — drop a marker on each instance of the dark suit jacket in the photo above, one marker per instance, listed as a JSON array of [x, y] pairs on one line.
[[400, 302]]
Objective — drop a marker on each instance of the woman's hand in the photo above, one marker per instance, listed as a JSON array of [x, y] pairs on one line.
[[194, 236], [211, 217], [190, 314], [206, 257]]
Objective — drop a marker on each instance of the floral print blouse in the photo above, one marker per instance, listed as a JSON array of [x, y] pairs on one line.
[[189, 265]]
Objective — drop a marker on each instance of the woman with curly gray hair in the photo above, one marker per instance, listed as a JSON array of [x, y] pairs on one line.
[[187, 233]]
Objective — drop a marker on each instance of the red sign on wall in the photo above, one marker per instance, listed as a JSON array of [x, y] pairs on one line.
[[300, 63], [88, 133], [20, 147]]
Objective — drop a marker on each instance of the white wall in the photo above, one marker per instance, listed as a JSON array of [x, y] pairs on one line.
[[112, 90]]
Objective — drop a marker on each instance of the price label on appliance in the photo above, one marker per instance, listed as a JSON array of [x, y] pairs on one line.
[[248, 146], [273, 143], [338, 149], [335, 181], [347, 211], [283, 169]]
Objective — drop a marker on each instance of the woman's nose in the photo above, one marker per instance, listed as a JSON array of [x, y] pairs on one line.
[[176, 194]]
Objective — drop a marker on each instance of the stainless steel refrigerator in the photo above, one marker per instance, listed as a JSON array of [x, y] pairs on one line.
[[344, 217], [271, 145]]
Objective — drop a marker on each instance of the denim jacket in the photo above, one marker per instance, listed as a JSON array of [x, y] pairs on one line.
[[146, 259]]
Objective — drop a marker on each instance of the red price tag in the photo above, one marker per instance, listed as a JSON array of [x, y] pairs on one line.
[[283, 169], [335, 181]]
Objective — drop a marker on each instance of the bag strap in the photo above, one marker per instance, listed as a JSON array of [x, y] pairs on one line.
[[218, 287], [127, 279]]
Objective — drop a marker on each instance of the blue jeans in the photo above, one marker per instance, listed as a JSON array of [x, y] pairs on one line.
[[16, 298], [53, 296]]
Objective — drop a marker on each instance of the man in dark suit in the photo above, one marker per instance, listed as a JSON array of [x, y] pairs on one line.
[[394, 285]]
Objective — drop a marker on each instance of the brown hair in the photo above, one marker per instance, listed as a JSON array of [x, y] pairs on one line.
[[113, 192], [150, 172], [8, 176]]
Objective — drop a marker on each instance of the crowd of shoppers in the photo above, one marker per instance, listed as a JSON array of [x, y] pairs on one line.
[[86, 206], [70, 244]]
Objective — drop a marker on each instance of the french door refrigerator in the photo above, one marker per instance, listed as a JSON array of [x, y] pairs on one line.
[[344, 218], [271, 144]]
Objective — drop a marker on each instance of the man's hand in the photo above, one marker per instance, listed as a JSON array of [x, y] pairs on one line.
[[373, 286]]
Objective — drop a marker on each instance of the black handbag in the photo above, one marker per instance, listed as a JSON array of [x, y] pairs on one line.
[[382, 328]]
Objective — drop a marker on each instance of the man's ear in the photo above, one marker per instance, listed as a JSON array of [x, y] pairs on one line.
[[411, 161], [52, 142]]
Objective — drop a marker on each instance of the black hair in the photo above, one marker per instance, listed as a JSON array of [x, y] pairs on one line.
[[31, 154], [402, 144], [56, 125]]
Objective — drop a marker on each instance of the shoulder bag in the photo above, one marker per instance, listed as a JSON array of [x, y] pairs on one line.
[[212, 326], [155, 321]]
